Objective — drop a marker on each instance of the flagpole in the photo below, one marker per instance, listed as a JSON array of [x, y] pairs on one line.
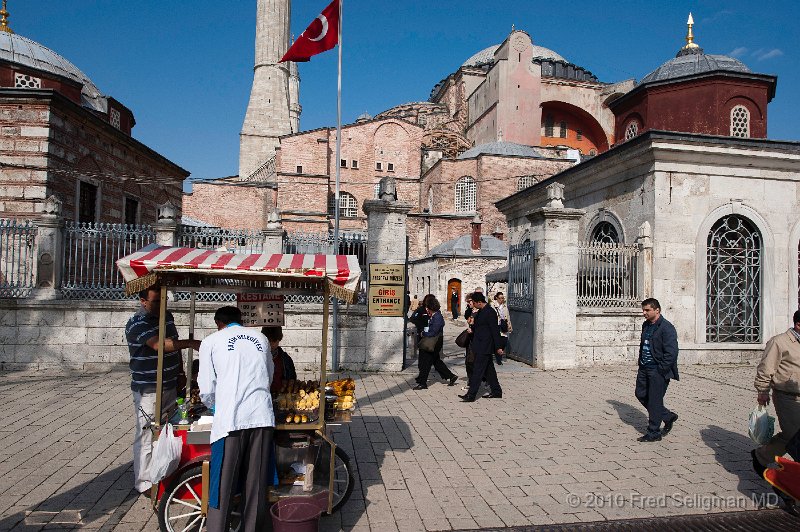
[[338, 163]]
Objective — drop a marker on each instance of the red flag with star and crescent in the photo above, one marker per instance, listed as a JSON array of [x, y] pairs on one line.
[[321, 35]]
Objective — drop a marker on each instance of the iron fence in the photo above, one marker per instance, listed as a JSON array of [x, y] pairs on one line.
[[91, 250], [350, 243], [232, 240], [608, 275], [17, 257], [520, 276]]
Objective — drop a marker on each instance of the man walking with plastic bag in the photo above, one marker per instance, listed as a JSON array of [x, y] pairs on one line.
[[235, 375], [779, 370]]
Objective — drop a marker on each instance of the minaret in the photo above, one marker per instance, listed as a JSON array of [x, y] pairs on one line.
[[267, 115], [294, 97]]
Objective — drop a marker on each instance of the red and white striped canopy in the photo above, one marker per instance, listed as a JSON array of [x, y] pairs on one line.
[[341, 271]]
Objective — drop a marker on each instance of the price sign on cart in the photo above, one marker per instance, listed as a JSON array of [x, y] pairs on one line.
[[259, 310]]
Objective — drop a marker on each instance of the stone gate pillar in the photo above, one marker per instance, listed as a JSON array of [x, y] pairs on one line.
[[644, 265], [50, 249], [167, 225], [386, 244], [554, 229], [273, 234]]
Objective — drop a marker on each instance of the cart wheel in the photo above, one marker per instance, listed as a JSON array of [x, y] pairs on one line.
[[179, 507], [342, 479]]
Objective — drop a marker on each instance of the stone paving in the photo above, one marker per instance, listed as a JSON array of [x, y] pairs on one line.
[[559, 447]]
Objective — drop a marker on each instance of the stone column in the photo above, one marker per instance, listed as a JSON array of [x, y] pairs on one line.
[[49, 252], [273, 234], [644, 265], [554, 229], [386, 244], [167, 225]]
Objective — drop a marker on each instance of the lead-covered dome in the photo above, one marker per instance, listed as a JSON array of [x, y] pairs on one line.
[[23, 51], [486, 56], [690, 64]]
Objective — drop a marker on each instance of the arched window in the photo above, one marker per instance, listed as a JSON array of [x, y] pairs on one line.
[[733, 281], [632, 130], [348, 206], [606, 233], [525, 181], [740, 122], [465, 194]]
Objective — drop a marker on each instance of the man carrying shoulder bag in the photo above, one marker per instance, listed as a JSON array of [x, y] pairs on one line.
[[430, 347]]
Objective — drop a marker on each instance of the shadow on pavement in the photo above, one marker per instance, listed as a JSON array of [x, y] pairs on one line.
[[732, 452], [77, 507], [630, 415]]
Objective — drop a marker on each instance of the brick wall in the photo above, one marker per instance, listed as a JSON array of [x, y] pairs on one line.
[[232, 207]]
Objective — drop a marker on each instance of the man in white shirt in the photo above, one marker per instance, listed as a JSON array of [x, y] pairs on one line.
[[235, 375]]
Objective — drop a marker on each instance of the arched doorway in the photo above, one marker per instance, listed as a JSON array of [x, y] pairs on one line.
[[454, 285]]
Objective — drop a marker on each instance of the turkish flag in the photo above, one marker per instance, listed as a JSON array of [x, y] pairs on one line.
[[321, 35]]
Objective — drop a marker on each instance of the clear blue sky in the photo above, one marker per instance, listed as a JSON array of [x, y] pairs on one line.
[[185, 66]]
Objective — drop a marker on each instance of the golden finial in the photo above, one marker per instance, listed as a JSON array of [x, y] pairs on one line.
[[689, 35], [4, 19]]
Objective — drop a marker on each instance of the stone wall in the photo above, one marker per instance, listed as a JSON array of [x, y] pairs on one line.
[[90, 335], [607, 336]]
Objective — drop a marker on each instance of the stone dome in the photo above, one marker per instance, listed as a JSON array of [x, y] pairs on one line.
[[693, 63], [486, 56], [23, 51]]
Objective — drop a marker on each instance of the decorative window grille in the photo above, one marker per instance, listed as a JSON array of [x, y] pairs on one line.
[[607, 274], [525, 181], [563, 130], [377, 188], [348, 207], [24, 81], [733, 281], [549, 126], [114, 117], [606, 233], [632, 130], [740, 122], [465, 194]]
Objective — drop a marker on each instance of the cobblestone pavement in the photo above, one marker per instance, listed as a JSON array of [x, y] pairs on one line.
[[559, 447]]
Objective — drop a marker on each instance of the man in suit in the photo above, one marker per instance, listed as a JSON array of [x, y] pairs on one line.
[[485, 344], [658, 363]]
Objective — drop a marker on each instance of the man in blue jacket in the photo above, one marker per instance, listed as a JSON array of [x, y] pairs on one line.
[[658, 363]]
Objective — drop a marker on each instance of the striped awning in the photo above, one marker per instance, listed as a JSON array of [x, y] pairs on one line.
[[140, 269]]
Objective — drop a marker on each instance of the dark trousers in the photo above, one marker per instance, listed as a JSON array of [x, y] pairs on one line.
[[455, 312], [428, 359], [503, 344], [246, 457], [651, 387], [483, 367]]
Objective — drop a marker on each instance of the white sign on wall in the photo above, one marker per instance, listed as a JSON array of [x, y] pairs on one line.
[[260, 310]]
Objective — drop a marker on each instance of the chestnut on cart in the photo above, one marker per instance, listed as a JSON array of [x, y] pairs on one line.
[[307, 460]]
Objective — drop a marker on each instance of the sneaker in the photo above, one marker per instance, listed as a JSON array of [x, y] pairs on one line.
[[465, 388]]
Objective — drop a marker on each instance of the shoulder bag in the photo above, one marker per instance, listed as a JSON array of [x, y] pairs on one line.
[[428, 343], [462, 340]]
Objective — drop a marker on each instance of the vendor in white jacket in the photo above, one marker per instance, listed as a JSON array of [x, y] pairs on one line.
[[235, 374]]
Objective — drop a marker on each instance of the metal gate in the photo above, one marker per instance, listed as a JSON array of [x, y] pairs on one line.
[[520, 301]]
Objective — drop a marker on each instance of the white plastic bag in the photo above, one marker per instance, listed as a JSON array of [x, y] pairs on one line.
[[166, 454], [762, 425]]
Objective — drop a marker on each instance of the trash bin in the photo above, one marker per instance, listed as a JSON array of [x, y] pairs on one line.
[[295, 514]]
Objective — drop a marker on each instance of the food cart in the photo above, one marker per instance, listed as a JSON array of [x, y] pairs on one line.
[[307, 461]]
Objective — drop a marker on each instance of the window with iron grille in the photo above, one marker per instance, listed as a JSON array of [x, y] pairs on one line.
[[632, 130], [733, 281], [114, 118], [24, 81], [377, 190], [606, 233], [465, 194], [525, 181], [563, 130], [87, 202], [348, 206], [131, 211], [578, 134], [740, 122], [549, 126]]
